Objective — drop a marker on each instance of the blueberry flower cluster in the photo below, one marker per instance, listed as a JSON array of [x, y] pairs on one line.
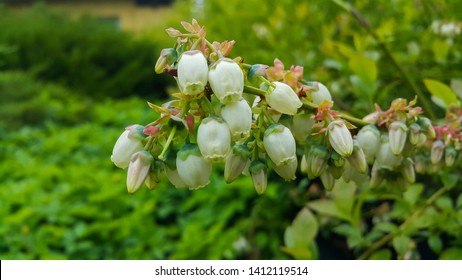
[[256, 118]]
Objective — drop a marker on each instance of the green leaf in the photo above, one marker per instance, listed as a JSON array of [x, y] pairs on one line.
[[444, 203], [329, 208], [452, 254], [364, 67], [344, 196], [456, 86], [411, 195], [435, 243], [450, 180], [298, 253], [459, 201], [442, 95], [440, 50], [386, 227], [304, 228], [384, 254], [401, 244]]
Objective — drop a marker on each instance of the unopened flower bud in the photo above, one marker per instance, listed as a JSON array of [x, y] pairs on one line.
[[214, 139], [192, 72], [397, 134], [328, 180], [320, 94], [193, 169], [155, 174], [427, 127], [167, 57], [256, 71], [138, 169], [407, 170], [385, 158], [287, 170], [129, 142], [236, 161], [283, 99], [420, 164], [450, 155], [337, 172], [301, 126], [316, 159], [437, 151], [238, 116], [303, 165], [336, 159], [376, 175], [226, 80], [340, 138], [279, 144], [416, 136], [358, 159], [372, 118], [258, 171], [368, 138]]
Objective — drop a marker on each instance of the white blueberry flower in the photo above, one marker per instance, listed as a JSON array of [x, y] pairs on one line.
[[192, 168], [368, 138], [283, 98], [437, 151], [320, 93], [385, 158], [340, 138], [214, 139], [407, 170], [301, 126], [316, 159], [397, 135], [138, 170], [226, 80], [450, 155], [279, 144], [171, 170], [236, 161], [287, 170], [129, 142], [416, 135], [258, 172], [192, 72], [238, 116], [358, 159], [328, 180]]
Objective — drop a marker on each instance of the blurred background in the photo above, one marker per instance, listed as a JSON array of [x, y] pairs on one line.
[[74, 74]]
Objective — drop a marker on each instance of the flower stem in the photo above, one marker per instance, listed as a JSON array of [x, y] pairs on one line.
[[254, 90], [167, 144], [387, 238]]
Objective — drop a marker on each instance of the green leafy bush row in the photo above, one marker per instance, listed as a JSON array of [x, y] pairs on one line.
[[86, 55]]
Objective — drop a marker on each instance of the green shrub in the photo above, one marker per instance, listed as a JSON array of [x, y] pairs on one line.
[[86, 55]]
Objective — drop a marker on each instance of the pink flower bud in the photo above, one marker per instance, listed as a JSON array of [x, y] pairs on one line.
[[138, 169], [214, 139], [226, 80], [192, 72], [283, 98]]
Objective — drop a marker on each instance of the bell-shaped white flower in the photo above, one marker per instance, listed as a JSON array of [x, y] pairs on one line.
[[283, 98], [437, 151], [258, 172], [192, 72], [328, 180], [407, 170], [340, 138], [368, 138], [358, 159], [320, 94], [192, 168], [427, 127], [171, 170], [316, 159], [416, 135], [129, 142], [214, 139], [226, 80], [236, 161], [301, 126], [450, 154], [279, 144], [287, 170], [138, 170], [385, 158], [397, 135], [238, 116]]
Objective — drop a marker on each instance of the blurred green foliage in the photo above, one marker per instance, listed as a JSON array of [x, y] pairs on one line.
[[87, 55], [60, 89]]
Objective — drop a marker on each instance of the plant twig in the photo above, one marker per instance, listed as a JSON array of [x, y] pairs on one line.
[[387, 238]]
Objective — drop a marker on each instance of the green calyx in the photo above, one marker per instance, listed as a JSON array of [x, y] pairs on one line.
[[257, 166], [241, 151], [274, 128], [189, 150]]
